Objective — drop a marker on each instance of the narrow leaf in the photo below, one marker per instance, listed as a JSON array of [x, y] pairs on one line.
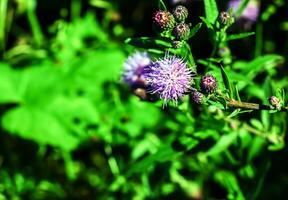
[[211, 10], [223, 143], [241, 7], [227, 83], [162, 5], [239, 36], [149, 43], [195, 29]]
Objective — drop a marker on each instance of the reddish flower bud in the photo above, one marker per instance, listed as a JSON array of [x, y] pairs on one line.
[[163, 21], [181, 31], [208, 84]]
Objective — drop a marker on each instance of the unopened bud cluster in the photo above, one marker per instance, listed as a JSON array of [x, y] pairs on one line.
[[180, 13], [173, 23], [163, 21]]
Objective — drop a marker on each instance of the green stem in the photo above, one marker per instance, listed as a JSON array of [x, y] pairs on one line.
[[3, 12], [252, 106], [75, 9], [35, 26], [259, 39]]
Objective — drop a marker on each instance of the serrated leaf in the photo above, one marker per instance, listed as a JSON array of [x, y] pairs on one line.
[[211, 10], [239, 36]]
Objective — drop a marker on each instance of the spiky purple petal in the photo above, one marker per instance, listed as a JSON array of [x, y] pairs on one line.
[[134, 67], [169, 78]]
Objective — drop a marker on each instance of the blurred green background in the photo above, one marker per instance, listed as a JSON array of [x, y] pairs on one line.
[[71, 130]]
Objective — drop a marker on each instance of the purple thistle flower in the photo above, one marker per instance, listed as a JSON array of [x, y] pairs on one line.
[[134, 68], [169, 78], [251, 12]]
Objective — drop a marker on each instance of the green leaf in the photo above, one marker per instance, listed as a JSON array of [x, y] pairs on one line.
[[243, 4], [257, 124], [39, 126], [211, 10], [8, 85], [223, 143], [194, 30], [207, 23], [149, 43], [239, 36], [259, 64], [229, 181], [237, 95], [162, 5], [165, 153], [227, 83]]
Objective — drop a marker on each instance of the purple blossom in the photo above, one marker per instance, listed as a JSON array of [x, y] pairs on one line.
[[169, 78], [133, 69], [250, 13]]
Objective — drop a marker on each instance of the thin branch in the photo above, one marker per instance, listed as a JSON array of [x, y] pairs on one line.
[[251, 106]]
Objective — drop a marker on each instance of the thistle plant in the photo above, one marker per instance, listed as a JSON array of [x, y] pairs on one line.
[[213, 95]]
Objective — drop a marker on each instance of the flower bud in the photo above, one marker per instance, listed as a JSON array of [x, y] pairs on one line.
[[176, 44], [180, 13], [181, 31], [163, 21], [197, 97], [275, 102], [225, 18], [208, 84]]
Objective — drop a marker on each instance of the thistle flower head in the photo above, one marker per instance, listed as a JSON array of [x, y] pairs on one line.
[[251, 12], [208, 84], [163, 20], [197, 97], [169, 78], [180, 13], [134, 68], [181, 31]]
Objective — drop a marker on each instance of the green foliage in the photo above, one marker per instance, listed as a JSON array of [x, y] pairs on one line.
[[71, 129], [211, 10]]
